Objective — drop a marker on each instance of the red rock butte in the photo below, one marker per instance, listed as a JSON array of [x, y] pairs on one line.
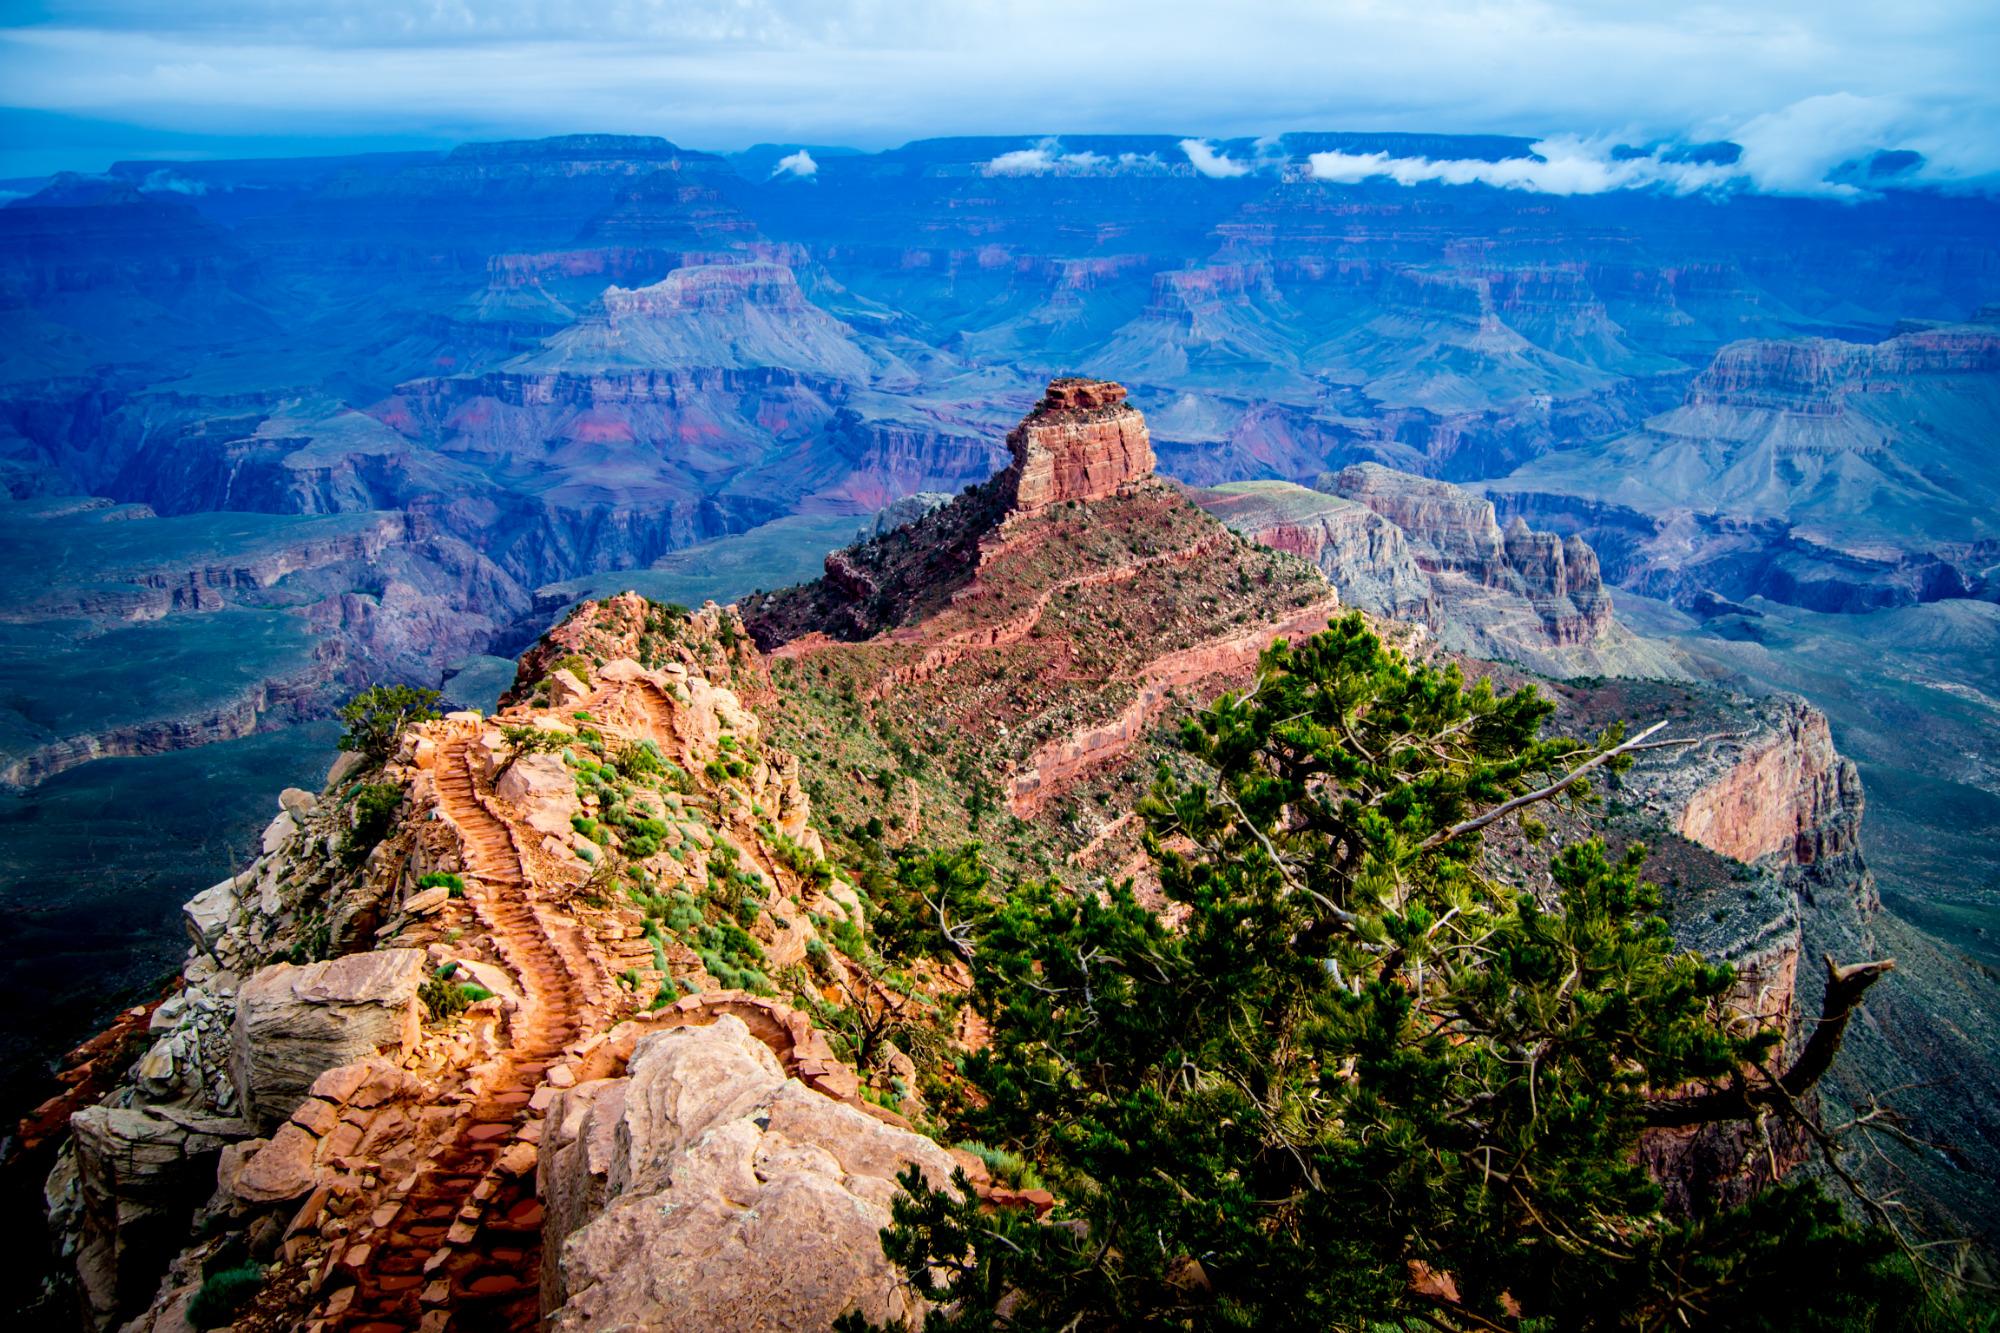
[[1083, 441]]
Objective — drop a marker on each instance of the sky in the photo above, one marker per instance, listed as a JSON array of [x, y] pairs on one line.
[[1804, 85]]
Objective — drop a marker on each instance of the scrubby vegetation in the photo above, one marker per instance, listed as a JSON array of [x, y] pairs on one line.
[[373, 807], [373, 718], [1358, 1084]]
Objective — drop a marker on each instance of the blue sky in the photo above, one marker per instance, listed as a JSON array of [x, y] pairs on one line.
[[1805, 86]]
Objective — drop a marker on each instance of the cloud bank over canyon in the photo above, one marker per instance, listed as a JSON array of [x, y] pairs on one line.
[[1811, 91]]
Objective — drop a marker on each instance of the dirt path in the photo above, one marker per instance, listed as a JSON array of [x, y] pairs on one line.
[[459, 1246]]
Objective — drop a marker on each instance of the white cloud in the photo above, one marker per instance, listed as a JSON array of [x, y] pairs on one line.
[[1564, 165], [1047, 158], [166, 181], [799, 164], [725, 74], [1211, 163], [1798, 150]]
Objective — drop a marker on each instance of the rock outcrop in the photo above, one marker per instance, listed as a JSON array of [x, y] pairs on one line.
[[1834, 476], [1430, 553], [1454, 534], [124, 1194], [1038, 628], [1778, 793], [1780, 809], [1082, 442], [1361, 553], [295, 1023], [368, 1125], [776, 1193]]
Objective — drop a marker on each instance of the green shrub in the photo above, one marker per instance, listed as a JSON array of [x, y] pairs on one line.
[[374, 717], [524, 741], [638, 759], [442, 998], [452, 885], [1008, 1168], [224, 1294], [373, 812], [576, 664]]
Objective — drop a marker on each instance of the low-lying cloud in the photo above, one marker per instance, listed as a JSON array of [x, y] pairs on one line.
[[1559, 166], [1210, 163], [798, 164], [1048, 158], [1831, 146]]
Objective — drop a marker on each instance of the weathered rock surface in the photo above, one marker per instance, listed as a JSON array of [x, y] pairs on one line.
[[1769, 795], [901, 513], [1778, 792], [1082, 442], [1363, 554], [776, 1194], [1454, 532], [137, 1170], [1429, 553], [295, 1023]]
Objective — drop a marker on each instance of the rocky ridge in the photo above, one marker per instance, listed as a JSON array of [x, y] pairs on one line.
[[1430, 553], [1032, 632], [579, 983], [368, 1126]]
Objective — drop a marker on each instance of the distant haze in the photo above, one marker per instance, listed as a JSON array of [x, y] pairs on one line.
[[1808, 87]]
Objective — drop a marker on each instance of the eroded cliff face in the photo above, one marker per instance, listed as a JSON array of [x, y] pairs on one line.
[[1454, 534], [1769, 796], [1082, 442], [1430, 553], [1778, 792], [388, 1017]]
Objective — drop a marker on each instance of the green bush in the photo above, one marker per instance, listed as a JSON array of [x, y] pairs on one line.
[[442, 998], [1356, 1055], [374, 717], [444, 879], [576, 664], [373, 814], [224, 1294], [524, 741]]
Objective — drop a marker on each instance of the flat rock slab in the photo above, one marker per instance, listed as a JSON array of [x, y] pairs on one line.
[[295, 1023]]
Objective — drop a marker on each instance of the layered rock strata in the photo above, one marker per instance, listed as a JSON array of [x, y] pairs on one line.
[[1780, 809], [1038, 628], [1082, 442], [1454, 533], [1430, 553]]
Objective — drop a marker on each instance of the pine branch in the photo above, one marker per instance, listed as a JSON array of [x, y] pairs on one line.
[[1561, 784], [1844, 988]]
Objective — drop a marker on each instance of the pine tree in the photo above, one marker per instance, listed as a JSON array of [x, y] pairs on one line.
[[1351, 1080]]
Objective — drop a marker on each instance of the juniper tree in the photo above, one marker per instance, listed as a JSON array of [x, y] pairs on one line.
[[374, 718], [1351, 1080]]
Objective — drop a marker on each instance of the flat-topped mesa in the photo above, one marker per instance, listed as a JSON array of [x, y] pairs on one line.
[[1082, 442]]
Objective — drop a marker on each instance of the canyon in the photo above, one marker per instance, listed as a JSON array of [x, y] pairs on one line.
[[562, 1030], [292, 428]]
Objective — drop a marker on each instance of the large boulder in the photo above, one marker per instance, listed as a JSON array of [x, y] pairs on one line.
[[705, 1189], [295, 1023], [542, 786], [208, 913], [140, 1170]]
